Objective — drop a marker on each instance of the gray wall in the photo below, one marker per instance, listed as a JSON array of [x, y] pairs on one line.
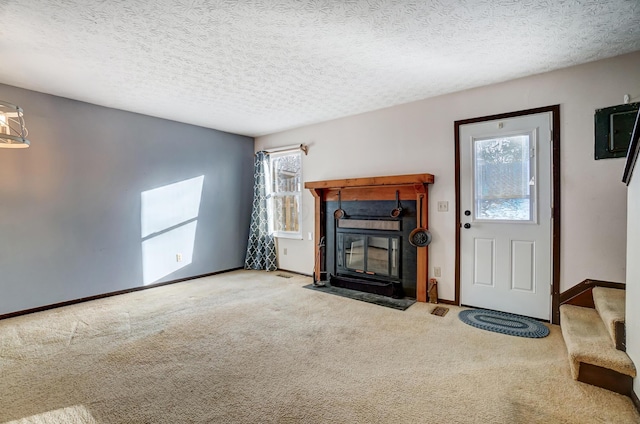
[[70, 205]]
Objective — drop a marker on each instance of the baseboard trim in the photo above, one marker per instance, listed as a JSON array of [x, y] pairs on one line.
[[114, 293], [295, 272], [580, 294], [635, 400], [621, 336], [605, 378]]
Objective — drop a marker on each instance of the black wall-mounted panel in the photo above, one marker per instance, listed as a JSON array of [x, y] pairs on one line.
[[613, 128]]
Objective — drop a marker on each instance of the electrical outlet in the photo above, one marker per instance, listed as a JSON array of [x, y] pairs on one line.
[[437, 272], [178, 257], [443, 206], [284, 251]]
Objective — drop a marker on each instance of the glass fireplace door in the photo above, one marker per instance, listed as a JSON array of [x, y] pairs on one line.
[[368, 254]]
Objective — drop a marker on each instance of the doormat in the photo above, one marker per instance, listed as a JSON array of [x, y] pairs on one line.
[[376, 299], [502, 322], [440, 311]]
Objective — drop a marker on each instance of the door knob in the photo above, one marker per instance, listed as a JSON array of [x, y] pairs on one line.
[[467, 225]]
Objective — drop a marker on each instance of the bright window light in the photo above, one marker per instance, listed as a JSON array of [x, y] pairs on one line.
[[168, 222], [70, 414], [284, 194]]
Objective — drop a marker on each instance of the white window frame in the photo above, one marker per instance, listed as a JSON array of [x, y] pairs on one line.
[[273, 196]]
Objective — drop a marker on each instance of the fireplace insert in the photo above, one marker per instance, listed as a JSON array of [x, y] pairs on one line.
[[373, 255], [368, 252]]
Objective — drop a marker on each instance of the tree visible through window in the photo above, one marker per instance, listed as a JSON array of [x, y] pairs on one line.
[[504, 178], [285, 194]]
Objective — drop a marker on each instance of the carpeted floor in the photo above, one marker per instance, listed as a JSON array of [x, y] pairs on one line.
[[249, 347]]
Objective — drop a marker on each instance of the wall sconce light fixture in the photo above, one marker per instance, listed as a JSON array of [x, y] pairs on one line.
[[13, 133]]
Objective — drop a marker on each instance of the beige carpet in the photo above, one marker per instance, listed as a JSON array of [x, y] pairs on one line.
[[251, 347]]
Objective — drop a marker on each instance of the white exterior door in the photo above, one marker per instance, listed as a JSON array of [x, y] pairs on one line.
[[506, 217]]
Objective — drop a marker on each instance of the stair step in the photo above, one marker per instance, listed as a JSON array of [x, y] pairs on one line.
[[588, 342], [610, 304]]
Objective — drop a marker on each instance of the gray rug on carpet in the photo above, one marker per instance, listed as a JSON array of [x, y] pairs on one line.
[[399, 304], [502, 322]]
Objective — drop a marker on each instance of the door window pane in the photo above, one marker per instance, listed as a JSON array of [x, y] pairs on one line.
[[504, 180]]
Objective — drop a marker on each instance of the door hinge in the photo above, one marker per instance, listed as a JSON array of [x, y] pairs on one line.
[[532, 152]]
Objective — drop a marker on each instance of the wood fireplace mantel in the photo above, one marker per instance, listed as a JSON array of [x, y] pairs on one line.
[[375, 188], [395, 180]]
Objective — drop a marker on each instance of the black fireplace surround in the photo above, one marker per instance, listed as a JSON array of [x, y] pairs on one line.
[[368, 249]]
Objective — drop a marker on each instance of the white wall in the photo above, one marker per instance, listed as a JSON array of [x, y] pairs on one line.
[[633, 273], [419, 137]]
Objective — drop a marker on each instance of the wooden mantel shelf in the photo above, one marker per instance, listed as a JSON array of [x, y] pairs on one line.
[[371, 181]]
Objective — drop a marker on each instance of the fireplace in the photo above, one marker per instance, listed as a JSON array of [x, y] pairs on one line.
[[366, 224]]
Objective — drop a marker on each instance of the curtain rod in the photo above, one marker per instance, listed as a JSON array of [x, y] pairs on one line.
[[291, 148]]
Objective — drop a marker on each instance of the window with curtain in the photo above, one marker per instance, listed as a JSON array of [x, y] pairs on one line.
[[285, 194]]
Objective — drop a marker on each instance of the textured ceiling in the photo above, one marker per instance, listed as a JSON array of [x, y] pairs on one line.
[[256, 67]]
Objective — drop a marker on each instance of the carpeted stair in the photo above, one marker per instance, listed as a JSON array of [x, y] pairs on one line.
[[590, 336], [610, 305]]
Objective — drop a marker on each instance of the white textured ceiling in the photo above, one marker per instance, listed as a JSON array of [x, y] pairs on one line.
[[256, 67]]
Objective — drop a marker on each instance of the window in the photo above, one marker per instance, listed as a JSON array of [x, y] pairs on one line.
[[504, 178], [285, 194]]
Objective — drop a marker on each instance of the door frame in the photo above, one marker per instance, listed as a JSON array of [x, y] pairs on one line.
[[555, 199]]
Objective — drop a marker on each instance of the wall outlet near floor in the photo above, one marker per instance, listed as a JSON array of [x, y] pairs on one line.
[[178, 257], [284, 251], [437, 272], [443, 206]]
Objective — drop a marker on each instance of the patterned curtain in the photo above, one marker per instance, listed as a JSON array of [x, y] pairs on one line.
[[261, 248]]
